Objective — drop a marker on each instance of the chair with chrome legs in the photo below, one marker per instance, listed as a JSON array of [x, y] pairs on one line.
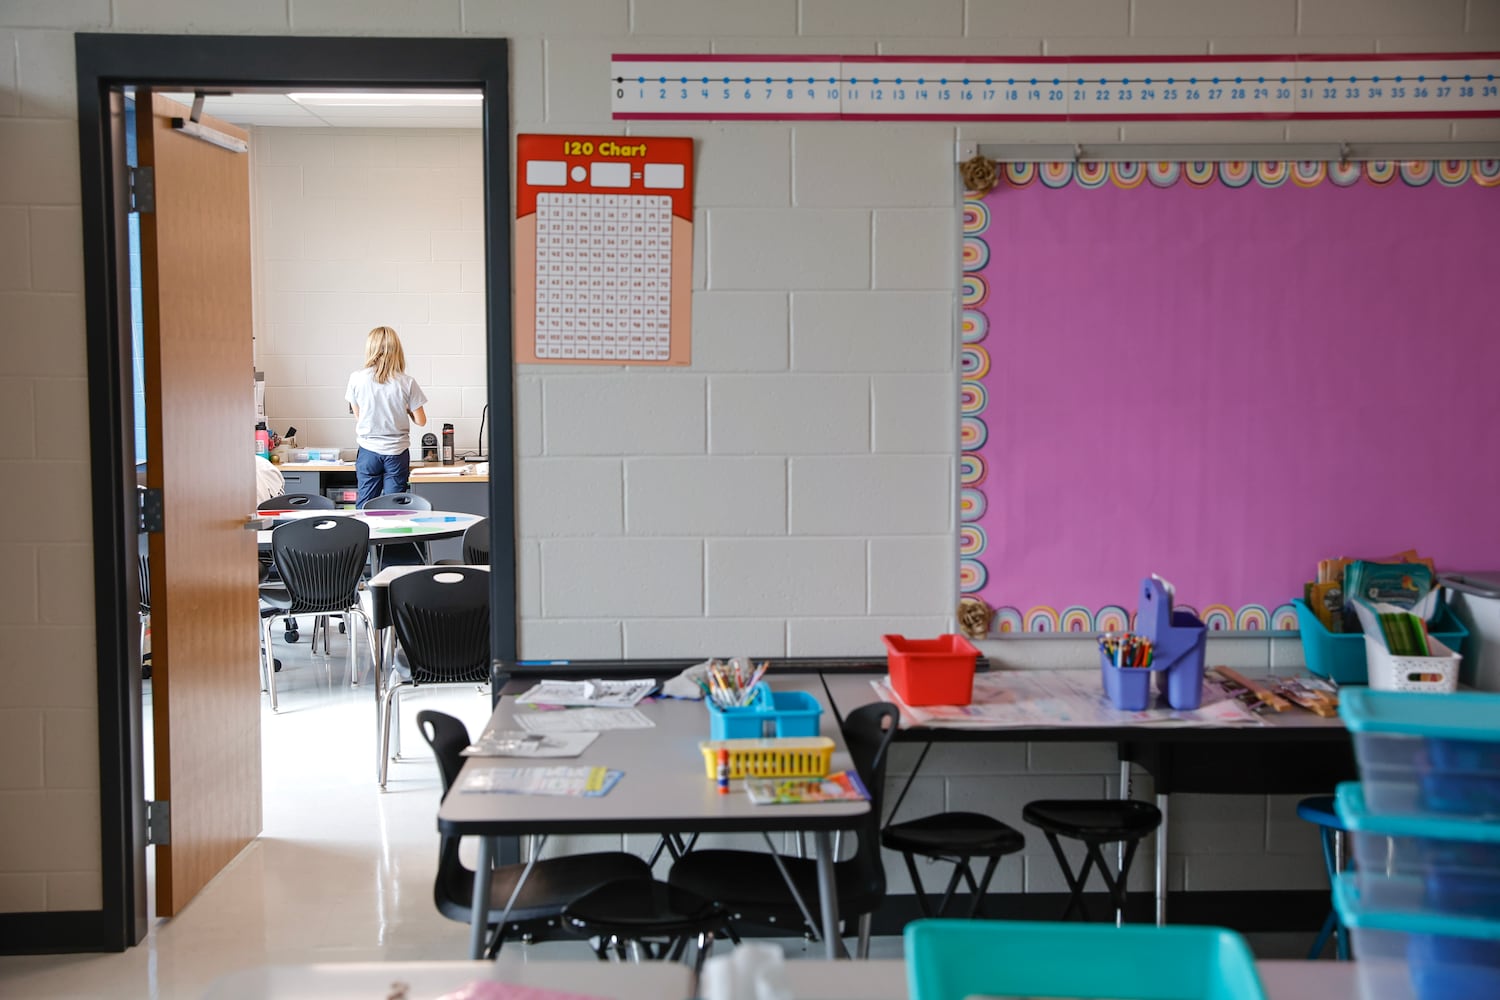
[[320, 560], [442, 621], [403, 553]]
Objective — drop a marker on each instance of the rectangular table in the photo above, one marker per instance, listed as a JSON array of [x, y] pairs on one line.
[[1293, 752], [664, 790], [880, 979]]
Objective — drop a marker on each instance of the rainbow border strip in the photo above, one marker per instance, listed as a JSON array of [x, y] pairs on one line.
[[975, 358]]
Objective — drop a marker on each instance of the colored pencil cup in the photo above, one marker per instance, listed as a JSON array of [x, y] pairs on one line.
[[1129, 688]]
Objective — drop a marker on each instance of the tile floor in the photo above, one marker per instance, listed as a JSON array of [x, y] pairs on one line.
[[341, 873]]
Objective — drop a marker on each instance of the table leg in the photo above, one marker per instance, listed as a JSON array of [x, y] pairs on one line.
[[1124, 794], [1161, 862], [828, 897], [480, 903]]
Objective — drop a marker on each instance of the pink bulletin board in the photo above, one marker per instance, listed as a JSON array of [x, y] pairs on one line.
[[1223, 373]]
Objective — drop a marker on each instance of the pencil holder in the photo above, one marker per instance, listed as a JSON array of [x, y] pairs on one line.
[[769, 713], [1178, 640], [1129, 688]]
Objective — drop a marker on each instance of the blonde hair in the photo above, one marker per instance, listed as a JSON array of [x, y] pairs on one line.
[[384, 354]]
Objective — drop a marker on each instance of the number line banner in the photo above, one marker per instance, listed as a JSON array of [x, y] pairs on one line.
[[1073, 88]]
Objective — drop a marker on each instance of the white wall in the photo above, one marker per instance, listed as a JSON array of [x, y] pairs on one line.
[[355, 229], [790, 492]]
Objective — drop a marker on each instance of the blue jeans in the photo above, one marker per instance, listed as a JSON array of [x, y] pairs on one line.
[[381, 474]]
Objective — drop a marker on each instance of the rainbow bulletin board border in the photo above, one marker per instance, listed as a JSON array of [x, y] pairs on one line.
[[977, 354]]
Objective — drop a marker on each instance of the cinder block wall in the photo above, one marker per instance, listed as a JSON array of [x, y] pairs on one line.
[[791, 492]]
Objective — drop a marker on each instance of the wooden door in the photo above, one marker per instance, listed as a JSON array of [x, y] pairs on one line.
[[199, 370]]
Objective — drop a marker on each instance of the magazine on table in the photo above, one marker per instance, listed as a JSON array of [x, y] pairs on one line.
[[842, 786]]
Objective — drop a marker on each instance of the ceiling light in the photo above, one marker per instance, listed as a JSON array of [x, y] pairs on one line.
[[388, 99]]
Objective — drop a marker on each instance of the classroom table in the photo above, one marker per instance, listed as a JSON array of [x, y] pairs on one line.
[[880, 979], [1291, 752], [386, 526], [664, 790]]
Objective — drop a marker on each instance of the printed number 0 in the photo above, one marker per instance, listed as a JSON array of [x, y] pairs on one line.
[[619, 91]]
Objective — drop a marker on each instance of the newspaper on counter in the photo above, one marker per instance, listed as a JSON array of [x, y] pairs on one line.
[[588, 694]]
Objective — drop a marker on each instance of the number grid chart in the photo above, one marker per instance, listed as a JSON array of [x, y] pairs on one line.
[[1095, 88], [604, 243]]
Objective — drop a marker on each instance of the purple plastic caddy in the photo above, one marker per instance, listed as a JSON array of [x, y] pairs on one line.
[[1178, 639]]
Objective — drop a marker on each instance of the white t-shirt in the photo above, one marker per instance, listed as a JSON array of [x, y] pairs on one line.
[[268, 481], [383, 422]]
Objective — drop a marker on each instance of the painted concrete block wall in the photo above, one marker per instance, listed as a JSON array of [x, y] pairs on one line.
[[815, 242], [360, 228]]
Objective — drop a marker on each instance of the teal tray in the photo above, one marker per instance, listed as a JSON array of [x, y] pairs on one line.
[[954, 959], [1340, 656]]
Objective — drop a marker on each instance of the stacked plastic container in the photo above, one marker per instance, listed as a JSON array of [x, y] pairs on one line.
[[1423, 904]]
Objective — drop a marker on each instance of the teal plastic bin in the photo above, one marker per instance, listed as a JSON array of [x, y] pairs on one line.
[[954, 959], [1340, 656]]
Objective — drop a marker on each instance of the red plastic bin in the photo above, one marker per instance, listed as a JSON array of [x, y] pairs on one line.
[[932, 671]]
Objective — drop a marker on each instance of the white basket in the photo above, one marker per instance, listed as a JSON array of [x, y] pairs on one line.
[[1434, 674]]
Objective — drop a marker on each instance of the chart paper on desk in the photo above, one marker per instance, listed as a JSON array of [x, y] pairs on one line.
[[1050, 699], [583, 720], [603, 249]]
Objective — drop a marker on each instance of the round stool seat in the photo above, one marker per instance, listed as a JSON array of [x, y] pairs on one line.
[[635, 908], [1319, 809], [950, 834], [1101, 821]]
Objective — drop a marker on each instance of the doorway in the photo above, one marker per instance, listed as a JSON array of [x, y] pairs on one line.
[[107, 64]]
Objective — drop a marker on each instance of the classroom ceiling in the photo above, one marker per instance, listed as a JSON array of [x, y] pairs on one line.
[[270, 109]]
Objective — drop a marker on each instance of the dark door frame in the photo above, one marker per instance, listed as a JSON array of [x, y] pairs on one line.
[[106, 63]]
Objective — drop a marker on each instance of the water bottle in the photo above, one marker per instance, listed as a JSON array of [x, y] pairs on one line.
[[447, 444], [262, 440]]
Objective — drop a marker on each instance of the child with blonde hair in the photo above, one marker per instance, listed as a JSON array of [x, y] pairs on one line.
[[385, 400]]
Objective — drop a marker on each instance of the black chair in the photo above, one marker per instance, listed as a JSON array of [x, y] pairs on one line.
[[552, 883], [620, 913], [298, 501], [751, 883], [442, 621], [143, 610], [399, 553], [269, 579], [1095, 822], [955, 837], [476, 545], [320, 560]]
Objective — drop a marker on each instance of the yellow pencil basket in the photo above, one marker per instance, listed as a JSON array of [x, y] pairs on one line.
[[795, 757]]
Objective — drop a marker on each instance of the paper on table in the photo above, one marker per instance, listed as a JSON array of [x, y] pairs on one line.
[[511, 743], [1044, 699], [575, 782], [591, 693], [583, 720], [486, 989]]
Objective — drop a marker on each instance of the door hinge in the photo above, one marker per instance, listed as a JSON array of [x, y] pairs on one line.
[[150, 515], [158, 821], [142, 189]]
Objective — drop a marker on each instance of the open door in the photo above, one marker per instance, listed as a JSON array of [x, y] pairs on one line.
[[199, 369]]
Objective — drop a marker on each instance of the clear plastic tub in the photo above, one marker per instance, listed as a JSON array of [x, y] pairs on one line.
[[1423, 864], [1426, 753], [1419, 956]]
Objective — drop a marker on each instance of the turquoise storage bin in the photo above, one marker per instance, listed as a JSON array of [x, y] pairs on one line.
[[1422, 863], [1426, 753], [954, 959], [1419, 956], [1340, 656], [769, 714]]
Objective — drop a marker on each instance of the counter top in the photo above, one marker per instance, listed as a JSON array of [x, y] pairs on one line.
[[434, 477]]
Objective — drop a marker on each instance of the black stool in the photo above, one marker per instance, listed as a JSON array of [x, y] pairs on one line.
[[955, 837], [1095, 822], [635, 911]]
